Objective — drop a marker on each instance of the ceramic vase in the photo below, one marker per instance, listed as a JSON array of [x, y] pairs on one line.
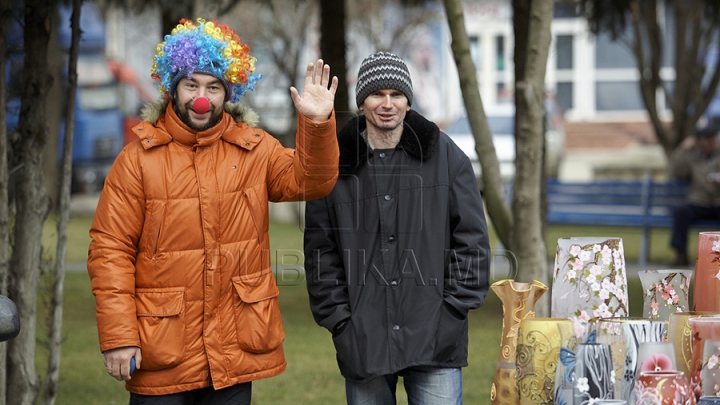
[[706, 287], [665, 292], [589, 280], [624, 335], [593, 378], [518, 300], [563, 393], [710, 374], [703, 328], [680, 335], [662, 388], [655, 356], [538, 354]]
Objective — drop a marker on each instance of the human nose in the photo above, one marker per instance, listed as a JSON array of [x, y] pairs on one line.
[[387, 102], [202, 92]]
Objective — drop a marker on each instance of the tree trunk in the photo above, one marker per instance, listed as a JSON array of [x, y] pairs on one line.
[[6, 8], [528, 243], [173, 11], [56, 308], [332, 49], [32, 201], [493, 193]]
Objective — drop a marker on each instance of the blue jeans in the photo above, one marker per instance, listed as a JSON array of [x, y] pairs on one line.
[[423, 385]]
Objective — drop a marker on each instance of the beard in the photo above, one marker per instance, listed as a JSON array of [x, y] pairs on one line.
[[215, 116]]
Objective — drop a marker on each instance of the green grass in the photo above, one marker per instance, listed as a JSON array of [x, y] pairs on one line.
[[312, 376], [286, 241]]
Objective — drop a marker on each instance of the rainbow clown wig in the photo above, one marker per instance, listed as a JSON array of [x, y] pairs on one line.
[[204, 47]]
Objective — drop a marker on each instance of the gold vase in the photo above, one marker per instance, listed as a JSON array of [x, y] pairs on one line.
[[538, 355], [518, 301], [680, 335]]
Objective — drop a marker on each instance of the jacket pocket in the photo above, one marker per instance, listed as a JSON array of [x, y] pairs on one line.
[[257, 315], [161, 323], [257, 213], [154, 216], [348, 355], [451, 332]]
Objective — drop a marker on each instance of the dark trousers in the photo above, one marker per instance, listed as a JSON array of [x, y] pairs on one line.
[[683, 218], [235, 395]]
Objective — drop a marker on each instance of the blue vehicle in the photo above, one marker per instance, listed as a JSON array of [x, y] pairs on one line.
[[98, 132]]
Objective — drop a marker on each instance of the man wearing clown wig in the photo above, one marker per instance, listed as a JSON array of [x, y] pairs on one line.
[[186, 300]]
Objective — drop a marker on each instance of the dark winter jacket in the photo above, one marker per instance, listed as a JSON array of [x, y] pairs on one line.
[[397, 254]]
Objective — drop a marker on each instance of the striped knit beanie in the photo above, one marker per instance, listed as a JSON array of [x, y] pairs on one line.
[[383, 70]]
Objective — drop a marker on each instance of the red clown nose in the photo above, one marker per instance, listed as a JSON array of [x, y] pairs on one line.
[[201, 105]]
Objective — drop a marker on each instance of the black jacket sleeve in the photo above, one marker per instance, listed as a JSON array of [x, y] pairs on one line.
[[467, 276], [324, 268]]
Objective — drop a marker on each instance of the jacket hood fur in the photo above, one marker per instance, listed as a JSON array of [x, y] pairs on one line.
[[151, 112], [419, 138]]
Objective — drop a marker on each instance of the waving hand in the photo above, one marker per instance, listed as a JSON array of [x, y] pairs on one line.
[[317, 100]]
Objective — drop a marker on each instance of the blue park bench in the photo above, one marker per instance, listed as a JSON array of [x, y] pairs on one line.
[[642, 203]]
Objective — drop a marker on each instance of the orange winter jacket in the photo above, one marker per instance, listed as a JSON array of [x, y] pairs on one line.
[[179, 259]]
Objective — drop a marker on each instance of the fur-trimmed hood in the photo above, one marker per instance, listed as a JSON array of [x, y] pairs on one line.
[[151, 112], [419, 138]]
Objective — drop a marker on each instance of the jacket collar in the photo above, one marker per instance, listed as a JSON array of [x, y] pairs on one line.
[[419, 138], [161, 126]]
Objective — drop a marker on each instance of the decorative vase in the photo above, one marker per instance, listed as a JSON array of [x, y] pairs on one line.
[[593, 374], [589, 280], [662, 388], [703, 328], [624, 335], [706, 288], [518, 301], [680, 335], [665, 292], [710, 374], [655, 356], [538, 354]]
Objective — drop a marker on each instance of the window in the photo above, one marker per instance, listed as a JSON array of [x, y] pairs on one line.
[[618, 96], [476, 51], [564, 95], [566, 9], [612, 54], [564, 51], [500, 52]]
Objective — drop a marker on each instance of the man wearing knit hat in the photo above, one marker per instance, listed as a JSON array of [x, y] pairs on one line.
[[179, 259], [397, 254]]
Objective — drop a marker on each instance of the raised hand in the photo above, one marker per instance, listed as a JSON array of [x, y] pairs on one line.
[[317, 100]]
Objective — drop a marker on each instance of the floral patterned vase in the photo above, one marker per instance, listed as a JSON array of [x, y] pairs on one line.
[[589, 280], [662, 388], [624, 335], [655, 356], [518, 301], [538, 353], [710, 374], [706, 288], [680, 335], [594, 377], [665, 292], [703, 328]]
